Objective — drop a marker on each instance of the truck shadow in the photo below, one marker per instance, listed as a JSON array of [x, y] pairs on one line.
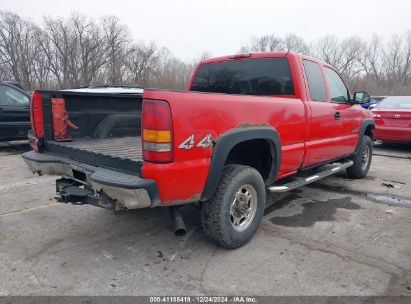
[[316, 211], [393, 150], [283, 201]]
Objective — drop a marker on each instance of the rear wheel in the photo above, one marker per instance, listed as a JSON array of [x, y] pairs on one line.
[[232, 216], [362, 159]]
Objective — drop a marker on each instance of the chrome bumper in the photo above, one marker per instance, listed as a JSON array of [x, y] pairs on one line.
[[126, 190]]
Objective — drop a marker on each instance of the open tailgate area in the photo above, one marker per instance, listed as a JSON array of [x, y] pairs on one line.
[[108, 133]]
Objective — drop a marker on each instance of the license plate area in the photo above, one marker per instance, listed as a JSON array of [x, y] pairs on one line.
[[397, 122]]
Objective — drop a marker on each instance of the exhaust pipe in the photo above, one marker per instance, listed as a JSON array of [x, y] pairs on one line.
[[177, 222]]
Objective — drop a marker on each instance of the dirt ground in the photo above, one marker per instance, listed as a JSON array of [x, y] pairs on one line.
[[334, 237]]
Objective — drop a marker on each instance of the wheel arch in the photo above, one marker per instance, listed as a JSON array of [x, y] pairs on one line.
[[367, 128], [229, 141]]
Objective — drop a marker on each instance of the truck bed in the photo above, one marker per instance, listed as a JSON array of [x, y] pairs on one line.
[[108, 132], [122, 147], [124, 153]]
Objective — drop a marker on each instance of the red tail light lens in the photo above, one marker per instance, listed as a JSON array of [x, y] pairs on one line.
[[36, 115], [157, 131]]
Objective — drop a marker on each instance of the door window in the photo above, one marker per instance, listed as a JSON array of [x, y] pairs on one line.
[[315, 81], [12, 97], [338, 90]]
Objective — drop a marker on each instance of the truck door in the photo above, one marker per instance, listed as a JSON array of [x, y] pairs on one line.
[[14, 113], [321, 144], [349, 116]]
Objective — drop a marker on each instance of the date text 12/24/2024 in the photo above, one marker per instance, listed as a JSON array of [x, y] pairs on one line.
[[203, 299]]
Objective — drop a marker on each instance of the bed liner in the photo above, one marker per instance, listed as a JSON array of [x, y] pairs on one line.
[[123, 153]]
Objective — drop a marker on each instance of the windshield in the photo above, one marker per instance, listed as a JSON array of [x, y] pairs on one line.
[[12, 97], [261, 76], [395, 103]]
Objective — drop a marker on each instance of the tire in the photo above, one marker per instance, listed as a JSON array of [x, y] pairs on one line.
[[362, 159], [232, 216]]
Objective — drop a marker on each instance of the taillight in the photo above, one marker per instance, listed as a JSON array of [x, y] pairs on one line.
[[36, 115], [157, 131]]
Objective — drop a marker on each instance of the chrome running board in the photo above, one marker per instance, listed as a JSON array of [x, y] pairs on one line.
[[302, 181]]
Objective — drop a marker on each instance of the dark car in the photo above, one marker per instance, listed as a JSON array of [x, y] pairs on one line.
[[14, 112], [14, 83]]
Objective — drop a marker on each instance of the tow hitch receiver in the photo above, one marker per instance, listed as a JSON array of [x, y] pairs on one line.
[[70, 191]]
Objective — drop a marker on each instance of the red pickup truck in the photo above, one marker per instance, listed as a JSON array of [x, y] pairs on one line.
[[248, 124]]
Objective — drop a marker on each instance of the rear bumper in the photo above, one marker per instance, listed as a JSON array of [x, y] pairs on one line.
[[393, 134], [123, 189]]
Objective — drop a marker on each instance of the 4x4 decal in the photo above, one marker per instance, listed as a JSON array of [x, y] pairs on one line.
[[190, 142], [205, 142]]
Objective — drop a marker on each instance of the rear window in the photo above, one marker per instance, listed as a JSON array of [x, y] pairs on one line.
[[395, 103], [262, 76]]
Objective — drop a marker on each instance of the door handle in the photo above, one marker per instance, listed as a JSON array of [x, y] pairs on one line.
[[337, 115]]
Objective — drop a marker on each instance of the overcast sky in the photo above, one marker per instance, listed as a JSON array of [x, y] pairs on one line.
[[220, 27]]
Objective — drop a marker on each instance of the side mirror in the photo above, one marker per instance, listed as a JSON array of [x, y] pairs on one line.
[[361, 97]]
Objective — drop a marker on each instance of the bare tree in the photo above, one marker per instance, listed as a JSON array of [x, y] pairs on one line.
[[41, 71], [59, 46], [172, 72], [328, 49], [116, 41], [271, 43], [142, 62], [372, 60], [293, 43], [76, 51], [16, 47], [345, 56], [397, 62], [90, 53], [267, 43], [352, 50]]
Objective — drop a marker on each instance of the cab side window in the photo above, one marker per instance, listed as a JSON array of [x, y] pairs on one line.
[[12, 97], [315, 81], [338, 90]]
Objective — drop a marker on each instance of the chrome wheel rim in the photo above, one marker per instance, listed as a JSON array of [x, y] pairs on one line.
[[365, 157], [243, 208]]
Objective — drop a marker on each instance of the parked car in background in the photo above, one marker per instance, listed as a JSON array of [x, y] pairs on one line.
[[14, 112], [373, 102], [14, 83], [393, 119]]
